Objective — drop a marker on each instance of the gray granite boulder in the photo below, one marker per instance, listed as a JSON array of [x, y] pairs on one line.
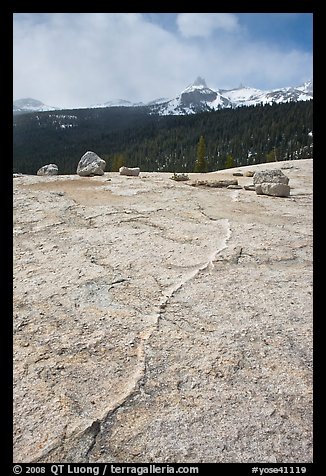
[[50, 169], [90, 164]]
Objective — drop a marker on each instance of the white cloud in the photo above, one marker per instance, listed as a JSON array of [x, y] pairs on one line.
[[73, 60], [264, 68], [87, 58], [204, 24]]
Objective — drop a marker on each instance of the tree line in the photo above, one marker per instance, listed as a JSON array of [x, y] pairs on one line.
[[136, 138]]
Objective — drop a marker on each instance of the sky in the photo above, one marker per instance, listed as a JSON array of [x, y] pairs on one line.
[[82, 59]]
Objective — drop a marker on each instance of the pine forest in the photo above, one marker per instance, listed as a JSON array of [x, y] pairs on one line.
[[134, 137]]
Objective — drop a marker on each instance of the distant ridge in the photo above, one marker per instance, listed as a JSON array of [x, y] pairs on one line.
[[197, 97]]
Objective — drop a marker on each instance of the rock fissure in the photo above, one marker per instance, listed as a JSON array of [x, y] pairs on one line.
[[140, 375], [144, 338], [209, 264], [93, 429]]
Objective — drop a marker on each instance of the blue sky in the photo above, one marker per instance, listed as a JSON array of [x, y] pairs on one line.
[[80, 59], [289, 30]]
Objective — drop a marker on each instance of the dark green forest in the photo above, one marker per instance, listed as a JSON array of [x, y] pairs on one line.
[[136, 138]]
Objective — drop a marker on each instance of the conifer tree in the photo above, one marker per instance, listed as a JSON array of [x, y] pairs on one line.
[[201, 162], [270, 156], [229, 163], [118, 161]]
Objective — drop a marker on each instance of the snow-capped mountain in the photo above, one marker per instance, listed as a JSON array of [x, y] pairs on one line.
[[245, 96], [31, 105], [198, 97]]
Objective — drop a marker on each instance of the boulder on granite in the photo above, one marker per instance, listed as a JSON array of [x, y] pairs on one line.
[[90, 164], [132, 171], [271, 182], [50, 169]]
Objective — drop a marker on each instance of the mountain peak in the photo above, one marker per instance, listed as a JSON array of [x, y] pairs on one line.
[[198, 85], [28, 102], [200, 82], [306, 87], [31, 105]]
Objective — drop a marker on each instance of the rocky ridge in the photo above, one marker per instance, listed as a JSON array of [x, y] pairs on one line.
[[157, 322]]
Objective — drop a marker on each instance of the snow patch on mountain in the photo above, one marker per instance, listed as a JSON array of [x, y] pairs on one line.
[[242, 95], [114, 103], [157, 101], [306, 87]]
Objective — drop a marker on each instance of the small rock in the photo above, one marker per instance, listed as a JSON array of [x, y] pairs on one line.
[[249, 173], [179, 177], [252, 188], [215, 183], [237, 174], [234, 187], [288, 166], [134, 171], [222, 183]]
